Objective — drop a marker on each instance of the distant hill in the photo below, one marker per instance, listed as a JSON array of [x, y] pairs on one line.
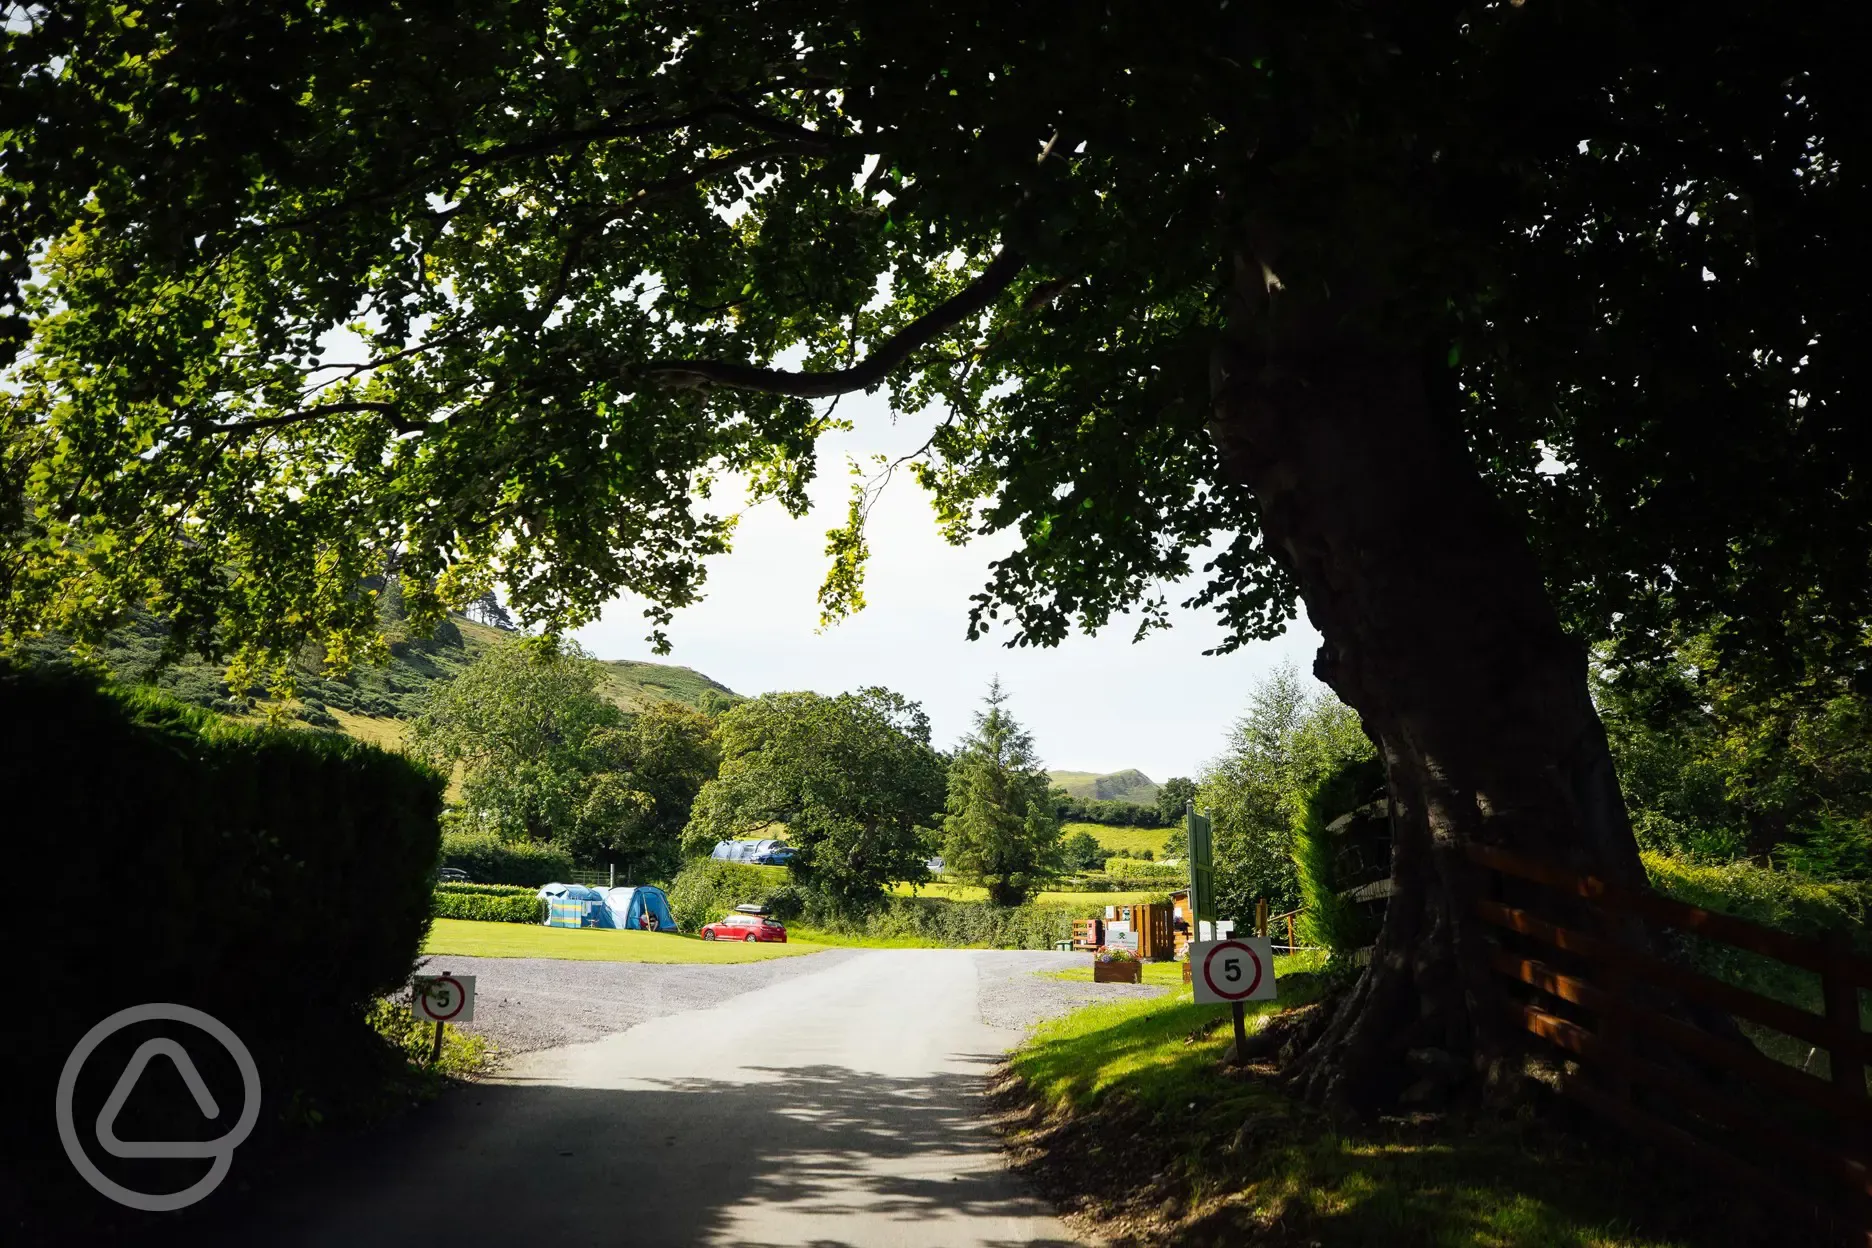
[[1130, 785], [373, 702]]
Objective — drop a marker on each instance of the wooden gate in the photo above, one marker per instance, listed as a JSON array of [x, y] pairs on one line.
[[1663, 1079]]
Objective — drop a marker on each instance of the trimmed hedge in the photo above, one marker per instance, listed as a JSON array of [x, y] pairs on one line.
[[959, 924], [277, 878], [486, 890], [519, 906], [491, 860], [707, 889]]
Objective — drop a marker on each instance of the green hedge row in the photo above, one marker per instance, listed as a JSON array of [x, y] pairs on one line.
[[706, 890], [490, 860], [278, 879], [959, 924], [486, 890], [520, 906]]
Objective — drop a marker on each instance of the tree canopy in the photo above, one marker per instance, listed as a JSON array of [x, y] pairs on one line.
[[852, 779], [543, 757], [573, 241]]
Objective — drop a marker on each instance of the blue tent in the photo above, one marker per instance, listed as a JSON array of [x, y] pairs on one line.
[[626, 908], [574, 905]]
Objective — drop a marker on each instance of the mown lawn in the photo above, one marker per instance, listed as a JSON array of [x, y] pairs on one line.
[[526, 940], [1168, 974], [1139, 1107]]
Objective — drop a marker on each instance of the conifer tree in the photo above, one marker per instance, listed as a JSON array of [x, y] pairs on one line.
[[1001, 831]]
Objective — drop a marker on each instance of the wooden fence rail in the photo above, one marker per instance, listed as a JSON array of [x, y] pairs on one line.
[[1648, 1069]]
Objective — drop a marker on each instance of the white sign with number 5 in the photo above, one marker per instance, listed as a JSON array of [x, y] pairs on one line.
[[443, 998], [1238, 969]]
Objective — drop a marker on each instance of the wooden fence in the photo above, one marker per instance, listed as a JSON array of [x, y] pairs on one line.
[[1743, 1116]]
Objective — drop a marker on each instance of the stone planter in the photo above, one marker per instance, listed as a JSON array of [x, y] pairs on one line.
[[1117, 972]]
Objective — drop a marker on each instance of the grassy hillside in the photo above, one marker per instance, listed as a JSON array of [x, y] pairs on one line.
[[372, 702], [1130, 785]]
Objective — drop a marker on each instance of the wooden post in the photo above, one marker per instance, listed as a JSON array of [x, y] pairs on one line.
[[1261, 917], [435, 1050], [1290, 939], [1241, 1032], [1844, 1064]]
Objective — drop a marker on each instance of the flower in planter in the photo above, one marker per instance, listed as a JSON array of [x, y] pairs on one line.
[[1113, 953]]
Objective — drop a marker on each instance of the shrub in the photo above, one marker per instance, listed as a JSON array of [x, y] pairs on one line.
[[487, 890], [276, 878], [490, 860], [1327, 919], [708, 888], [520, 906], [959, 924]]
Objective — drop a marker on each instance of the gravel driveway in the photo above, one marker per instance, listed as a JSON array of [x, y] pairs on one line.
[[1016, 993], [523, 1004], [537, 1003]]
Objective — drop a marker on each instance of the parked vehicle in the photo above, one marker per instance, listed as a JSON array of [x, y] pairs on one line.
[[747, 928], [453, 875], [776, 857]]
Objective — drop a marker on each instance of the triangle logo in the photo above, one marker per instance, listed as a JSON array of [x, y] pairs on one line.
[[126, 1083]]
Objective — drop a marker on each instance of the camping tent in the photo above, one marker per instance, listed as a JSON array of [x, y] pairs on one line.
[[626, 907], [574, 905], [745, 851]]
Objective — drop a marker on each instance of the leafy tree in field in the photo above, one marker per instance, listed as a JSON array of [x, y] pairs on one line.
[[1286, 744], [1173, 798], [1082, 852], [515, 723], [1001, 831], [853, 778], [1486, 332], [545, 758], [645, 774]]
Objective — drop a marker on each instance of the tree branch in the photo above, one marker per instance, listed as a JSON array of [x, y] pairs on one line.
[[385, 410], [724, 374]]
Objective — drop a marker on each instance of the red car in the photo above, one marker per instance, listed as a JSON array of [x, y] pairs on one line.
[[746, 927]]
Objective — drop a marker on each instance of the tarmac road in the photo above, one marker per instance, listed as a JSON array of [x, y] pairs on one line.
[[836, 1107]]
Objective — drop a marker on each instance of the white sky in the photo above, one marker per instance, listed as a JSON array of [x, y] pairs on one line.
[[1095, 704]]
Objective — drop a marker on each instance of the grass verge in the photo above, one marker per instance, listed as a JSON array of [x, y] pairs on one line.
[[518, 940], [1126, 1116]]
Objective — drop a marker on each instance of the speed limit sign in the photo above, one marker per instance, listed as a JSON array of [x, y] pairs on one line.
[[1238, 969], [443, 998]]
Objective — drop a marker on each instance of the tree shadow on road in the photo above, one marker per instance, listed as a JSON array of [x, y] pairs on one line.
[[821, 1155]]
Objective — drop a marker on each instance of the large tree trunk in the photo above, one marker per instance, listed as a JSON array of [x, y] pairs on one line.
[[1438, 631]]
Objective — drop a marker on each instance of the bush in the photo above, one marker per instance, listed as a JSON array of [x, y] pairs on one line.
[[490, 860], [708, 888], [1142, 868], [519, 906], [959, 924], [236, 855], [487, 890], [1775, 899], [1326, 918]]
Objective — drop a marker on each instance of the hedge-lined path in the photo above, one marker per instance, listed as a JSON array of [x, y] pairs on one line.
[[840, 1104]]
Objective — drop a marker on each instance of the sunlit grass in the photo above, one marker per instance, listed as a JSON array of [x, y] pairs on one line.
[[525, 940], [1156, 1067], [1124, 842]]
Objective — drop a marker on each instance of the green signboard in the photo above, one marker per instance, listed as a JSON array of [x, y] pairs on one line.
[[1201, 868]]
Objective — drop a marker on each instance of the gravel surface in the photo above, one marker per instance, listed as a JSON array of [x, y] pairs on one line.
[[536, 1003], [1016, 993], [523, 1004]]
